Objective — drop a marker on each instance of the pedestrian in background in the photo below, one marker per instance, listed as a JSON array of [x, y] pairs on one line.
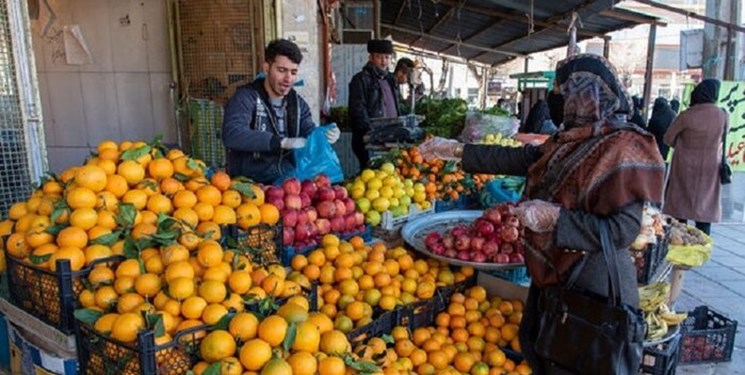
[[694, 188], [662, 117]]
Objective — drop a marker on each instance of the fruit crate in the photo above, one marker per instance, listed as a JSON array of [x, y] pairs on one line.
[[310, 293], [381, 325], [388, 222], [707, 336], [651, 259], [661, 358], [517, 275], [99, 354], [443, 294], [419, 314], [464, 202], [286, 253], [50, 296], [261, 243]]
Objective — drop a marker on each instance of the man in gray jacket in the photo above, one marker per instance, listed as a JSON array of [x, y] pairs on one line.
[[266, 119]]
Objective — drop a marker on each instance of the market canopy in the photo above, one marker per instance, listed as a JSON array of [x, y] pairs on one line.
[[497, 31]]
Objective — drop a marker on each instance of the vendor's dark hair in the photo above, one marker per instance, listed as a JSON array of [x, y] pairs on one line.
[[283, 47], [404, 64]]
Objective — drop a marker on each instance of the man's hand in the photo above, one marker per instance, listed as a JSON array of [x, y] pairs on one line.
[[333, 134], [292, 143]]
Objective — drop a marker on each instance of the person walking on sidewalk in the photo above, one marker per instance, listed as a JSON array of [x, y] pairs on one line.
[[693, 187]]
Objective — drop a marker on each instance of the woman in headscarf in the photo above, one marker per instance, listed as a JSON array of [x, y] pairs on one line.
[[675, 105], [637, 114], [662, 117], [693, 188], [539, 120], [597, 167]]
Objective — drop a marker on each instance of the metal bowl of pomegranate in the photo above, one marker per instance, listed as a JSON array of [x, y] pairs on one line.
[[486, 240]]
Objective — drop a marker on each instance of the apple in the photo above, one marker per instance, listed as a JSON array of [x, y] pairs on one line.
[[349, 203], [322, 181], [291, 186], [506, 248], [312, 213], [324, 226], [350, 222], [490, 248], [304, 200], [293, 202], [493, 215], [432, 239], [501, 258], [477, 243], [359, 219], [449, 242], [276, 202], [459, 231], [312, 229], [341, 208], [451, 253], [308, 187], [484, 227], [462, 242], [517, 258], [464, 255], [326, 209], [337, 224], [288, 236], [274, 192], [340, 192], [301, 233], [513, 221], [438, 249], [325, 194], [479, 257], [302, 218], [509, 234], [289, 218]]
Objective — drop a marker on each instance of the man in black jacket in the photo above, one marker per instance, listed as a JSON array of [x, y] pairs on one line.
[[373, 93], [266, 119]]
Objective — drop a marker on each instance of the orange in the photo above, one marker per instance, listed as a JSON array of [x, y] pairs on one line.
[[303, 363], [37, 237], [307, 338], [209, 229], [17, 246], [293, 313], [506, 308], [404, 347], [210, 195], [170, 186], [334, 342], [132, 171], [258, 196], [269, 214], [105, 297], [184, 199], [193, 307], [105, 322], [244, 326], [299, 262], [73, 254], [159, 203], [95, 252], [174, 253], [136, 197], [496, 358], [217, 345], [81, 197], [85, 218], [180, 288], [209, 253], [189, 240], [509, 331], [126, 327], [247, 215], [128, 302], [147, 285], [438, 359], [322, 322], [212, 291], [160, 169], [124, 284], [92, 177], [255, 354], [332, 366], [273, 330], [220, 180], [213, 313], [143, 230], [231, 198], [52, 188], [239, 282], [224, 215]]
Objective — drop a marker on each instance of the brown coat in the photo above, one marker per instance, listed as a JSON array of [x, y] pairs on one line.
[[693, 188]]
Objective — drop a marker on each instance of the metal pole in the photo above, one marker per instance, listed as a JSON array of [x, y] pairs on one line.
[[729, 71], [526, 64], [606, 47], [376, 18], [648, 72]]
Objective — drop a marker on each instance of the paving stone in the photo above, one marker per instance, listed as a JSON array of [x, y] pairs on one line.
[[721, 273]]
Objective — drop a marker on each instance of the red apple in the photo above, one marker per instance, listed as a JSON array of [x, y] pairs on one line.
[[506, 248], [493, 215], [462, 243], [340, 192], [349, 203], [325, 194], [302, 218], [459, 231], [490, 248], [277, 202], [501, 258], [312, 229], [293, 202], [312, 213], [451, 253], [484, 227], [288, 236], [350, 222], [513, 221], [509, 234], [289, 218], [326, 209], [322, 181], [464, 255], [432, 238], [324, 226], [308, 187], [301, 233], [517, 258], [337, 224], [341, 208], [449, 242], [304, 200], [438, 249], [359, 219], [479, 257], [291, 186], [274, 192], [477, 243]]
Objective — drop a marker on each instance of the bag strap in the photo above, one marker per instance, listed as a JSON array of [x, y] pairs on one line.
[[724, 138], [614, 290]]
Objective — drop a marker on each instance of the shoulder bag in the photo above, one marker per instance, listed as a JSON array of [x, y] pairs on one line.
[[587, 334], [725, 171]]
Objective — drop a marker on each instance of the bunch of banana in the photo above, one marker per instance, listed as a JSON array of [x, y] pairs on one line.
[[657, 314]]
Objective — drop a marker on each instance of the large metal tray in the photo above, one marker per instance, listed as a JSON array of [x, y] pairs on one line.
[[415, 231]]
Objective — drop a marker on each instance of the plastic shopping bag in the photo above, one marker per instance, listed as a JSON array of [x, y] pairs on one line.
[[478, 125], [317, 157], [500, 190]]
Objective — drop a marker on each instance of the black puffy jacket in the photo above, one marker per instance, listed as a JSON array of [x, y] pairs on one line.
[[366, 98]]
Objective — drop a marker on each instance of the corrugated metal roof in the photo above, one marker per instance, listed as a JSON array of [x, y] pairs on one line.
[[496, 31]]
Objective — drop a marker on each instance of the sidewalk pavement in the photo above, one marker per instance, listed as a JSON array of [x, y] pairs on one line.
[[719, 284]]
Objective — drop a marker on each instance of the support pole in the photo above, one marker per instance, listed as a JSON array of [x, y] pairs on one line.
[[376, 18], [527, 64], [648, 72], [484, 73], [606, 47]]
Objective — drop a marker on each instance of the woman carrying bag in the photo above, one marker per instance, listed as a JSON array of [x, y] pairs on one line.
[[595, 173]]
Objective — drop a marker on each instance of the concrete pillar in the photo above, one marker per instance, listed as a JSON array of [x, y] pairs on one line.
[[715, 38], [300, 24]]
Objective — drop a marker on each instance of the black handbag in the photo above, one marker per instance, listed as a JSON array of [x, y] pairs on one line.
[[588, 334], [725, 171]]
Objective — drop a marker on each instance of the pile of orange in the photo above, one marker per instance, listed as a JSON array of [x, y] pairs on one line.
[[254, 345], [355, 278], [467, 338], [443, 180]]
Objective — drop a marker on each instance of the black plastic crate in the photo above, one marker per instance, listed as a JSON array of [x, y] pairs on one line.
[[443, 294], [260, 243], [310, 293], [649, 260], [381, 325], [50, 296], [286, 253], [662, 358], [464, 202], [707, 336], [99, 354], [419, 314]]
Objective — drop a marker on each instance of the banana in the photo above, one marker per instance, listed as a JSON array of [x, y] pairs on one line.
[[672, 318]]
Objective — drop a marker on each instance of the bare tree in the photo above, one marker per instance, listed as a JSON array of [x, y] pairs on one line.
[[627, 57]]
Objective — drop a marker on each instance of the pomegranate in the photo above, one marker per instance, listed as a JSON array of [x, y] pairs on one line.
[[479, 257], [477, 243], [464, 255], [509, 234]]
